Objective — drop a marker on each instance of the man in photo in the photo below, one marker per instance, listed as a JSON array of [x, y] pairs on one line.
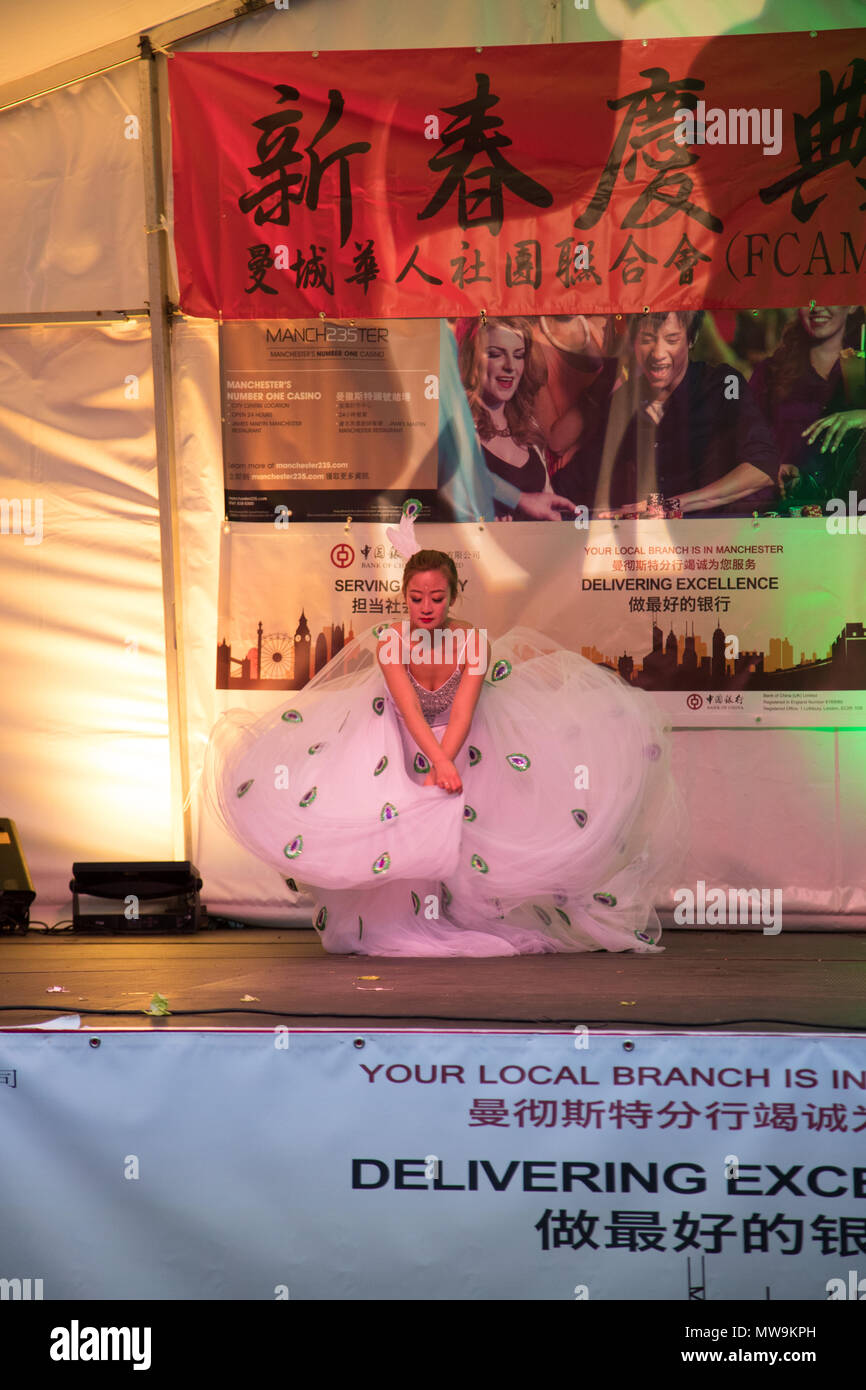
[[654, 421]]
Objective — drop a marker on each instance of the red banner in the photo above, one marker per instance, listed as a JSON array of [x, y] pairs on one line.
[[606, 177]]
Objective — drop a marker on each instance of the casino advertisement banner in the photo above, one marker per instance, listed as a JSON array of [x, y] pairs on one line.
[[694, 414], [761, 622], [324, 420], [561, 179]]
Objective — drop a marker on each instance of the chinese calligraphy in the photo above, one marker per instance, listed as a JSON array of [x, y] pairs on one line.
[[650, 119], [279, 157], [471, 135], [825, 138]]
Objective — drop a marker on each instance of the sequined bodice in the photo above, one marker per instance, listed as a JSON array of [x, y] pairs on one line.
[[435, 703]]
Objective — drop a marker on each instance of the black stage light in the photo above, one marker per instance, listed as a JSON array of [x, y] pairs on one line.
[[170, 890], [16, 887]]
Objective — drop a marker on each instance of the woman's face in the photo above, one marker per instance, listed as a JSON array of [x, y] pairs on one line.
[[428, 596], [823, 322], [504, 354]]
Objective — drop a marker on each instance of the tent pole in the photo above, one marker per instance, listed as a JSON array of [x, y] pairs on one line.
[[163, 411], [64, 318], [554, 22]]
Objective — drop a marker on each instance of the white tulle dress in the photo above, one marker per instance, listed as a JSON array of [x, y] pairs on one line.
[[564, 835]]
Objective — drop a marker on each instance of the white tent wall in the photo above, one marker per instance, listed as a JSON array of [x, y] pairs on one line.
[[73, 200], [85, 757], [85, 768]]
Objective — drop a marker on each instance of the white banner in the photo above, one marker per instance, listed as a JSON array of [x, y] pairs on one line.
[[707, 615], [365, 1164]]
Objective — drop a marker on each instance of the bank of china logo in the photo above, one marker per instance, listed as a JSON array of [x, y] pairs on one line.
[[342, 555]]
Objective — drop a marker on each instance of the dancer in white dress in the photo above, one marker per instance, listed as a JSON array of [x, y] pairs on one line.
[[495, 804]]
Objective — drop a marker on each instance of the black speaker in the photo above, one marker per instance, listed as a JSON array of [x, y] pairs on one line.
[[16, 888], [170, 889]]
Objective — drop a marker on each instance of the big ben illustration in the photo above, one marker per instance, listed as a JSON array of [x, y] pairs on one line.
[[302, 652]]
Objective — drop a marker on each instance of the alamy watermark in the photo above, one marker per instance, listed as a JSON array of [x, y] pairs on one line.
[[23, 1289], [854, 1289], [850, 520], [736, 126], [443, 647], [77, 1343], [716, 907], [22, 516]]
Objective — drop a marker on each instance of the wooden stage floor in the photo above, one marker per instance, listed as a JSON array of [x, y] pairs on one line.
[[796, 981]]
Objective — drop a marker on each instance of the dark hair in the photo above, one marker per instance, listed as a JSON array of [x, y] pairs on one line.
[[691, 320], [791, 358], [432, 560]]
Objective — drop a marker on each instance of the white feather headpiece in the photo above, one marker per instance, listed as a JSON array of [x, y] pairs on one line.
[[403, 537]]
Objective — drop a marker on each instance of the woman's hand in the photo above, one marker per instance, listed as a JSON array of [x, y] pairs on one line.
[[445, 775], [789, 475], [836, 426]]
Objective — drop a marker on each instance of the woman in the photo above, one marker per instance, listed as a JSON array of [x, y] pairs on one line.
[[434, 803], [812, 391], [502, 370]]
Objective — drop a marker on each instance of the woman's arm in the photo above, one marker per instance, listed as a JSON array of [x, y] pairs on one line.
[[406, 700], [468, 691], [462, 711]]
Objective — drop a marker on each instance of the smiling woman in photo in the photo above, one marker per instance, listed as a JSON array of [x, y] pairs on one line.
[[813, 392], [503, 369]]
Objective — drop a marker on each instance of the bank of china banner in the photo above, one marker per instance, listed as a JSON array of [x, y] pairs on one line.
[[759, 625], [559, 1166], [677, 172]]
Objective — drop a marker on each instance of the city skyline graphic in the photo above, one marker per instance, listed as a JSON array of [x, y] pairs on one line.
[[285, 660], [691, 663], [281, 660]]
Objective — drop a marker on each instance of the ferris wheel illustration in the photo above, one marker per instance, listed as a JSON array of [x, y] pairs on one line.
[[277, 656]]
